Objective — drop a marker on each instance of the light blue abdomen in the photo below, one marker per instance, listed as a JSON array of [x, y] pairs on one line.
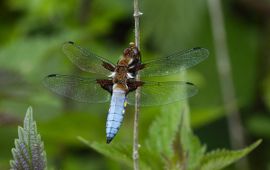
[[116, 114]]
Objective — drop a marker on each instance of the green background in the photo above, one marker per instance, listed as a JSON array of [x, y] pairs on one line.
[[31, 36]]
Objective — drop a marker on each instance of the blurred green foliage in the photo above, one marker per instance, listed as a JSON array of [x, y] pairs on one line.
[[32, 33]]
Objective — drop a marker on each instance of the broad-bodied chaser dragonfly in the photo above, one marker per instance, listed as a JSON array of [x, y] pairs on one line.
[[119, 81]]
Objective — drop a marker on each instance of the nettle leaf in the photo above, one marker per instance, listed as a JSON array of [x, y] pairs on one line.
[[163, 130], [171, 137], [28, 153], [192, 149], [219, 159]]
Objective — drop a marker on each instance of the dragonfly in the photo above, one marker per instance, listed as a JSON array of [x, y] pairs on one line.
[[118, 83]]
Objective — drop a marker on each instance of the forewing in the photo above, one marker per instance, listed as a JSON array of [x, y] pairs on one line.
[[174, 63], [76, 88], [86, 60], [160, 93]]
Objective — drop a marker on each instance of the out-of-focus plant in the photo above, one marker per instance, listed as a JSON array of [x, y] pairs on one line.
[[29, 153]]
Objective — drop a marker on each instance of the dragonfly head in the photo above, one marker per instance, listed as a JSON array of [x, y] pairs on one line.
[[132, 51]]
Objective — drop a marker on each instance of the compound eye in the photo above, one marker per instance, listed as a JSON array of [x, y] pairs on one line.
[[127, 51], [135, 51]]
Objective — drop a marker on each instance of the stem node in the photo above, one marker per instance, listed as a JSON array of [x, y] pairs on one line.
[[137, 14]]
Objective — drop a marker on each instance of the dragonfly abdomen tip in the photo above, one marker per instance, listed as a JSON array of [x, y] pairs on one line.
[[109, 139]]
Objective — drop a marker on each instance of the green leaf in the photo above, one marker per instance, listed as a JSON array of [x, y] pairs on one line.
[[118, 153], [29, 149], [193, 151], [163, 130], [172, 139], [219, 159]]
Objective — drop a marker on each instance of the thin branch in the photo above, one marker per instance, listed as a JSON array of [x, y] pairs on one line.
[[136, 15], [236, 131]]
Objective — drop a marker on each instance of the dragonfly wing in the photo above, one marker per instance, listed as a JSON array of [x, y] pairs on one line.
[[76, 88], [160, 93], [174, 63], [86, 60]]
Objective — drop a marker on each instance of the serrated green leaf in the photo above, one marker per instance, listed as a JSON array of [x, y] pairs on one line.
[[29, 149], [219, 159], [162, 132], [194, 151], [191, 146], [173, 140]]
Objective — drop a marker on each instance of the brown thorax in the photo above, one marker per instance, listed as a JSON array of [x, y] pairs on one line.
[[131, 56], [123, 74]]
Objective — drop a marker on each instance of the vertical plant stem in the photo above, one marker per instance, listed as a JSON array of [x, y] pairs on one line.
[[135, 155], [236, 131], [137, 15]]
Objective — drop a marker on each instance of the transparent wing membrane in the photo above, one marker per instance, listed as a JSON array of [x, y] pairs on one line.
[[174, 63], [160, 93], [77, 88], [152, 93], [85, 60]]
